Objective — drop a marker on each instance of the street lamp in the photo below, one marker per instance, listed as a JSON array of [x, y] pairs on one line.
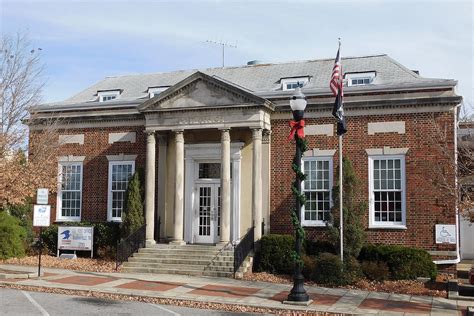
[[298, 105]]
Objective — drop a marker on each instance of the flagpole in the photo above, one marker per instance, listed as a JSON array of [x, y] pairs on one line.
[[341, 213]]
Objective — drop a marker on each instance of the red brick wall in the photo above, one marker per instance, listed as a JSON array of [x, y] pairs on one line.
[[95, 165], [426, 204]]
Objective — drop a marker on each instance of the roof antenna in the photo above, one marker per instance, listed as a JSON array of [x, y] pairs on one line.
[[224, 45]]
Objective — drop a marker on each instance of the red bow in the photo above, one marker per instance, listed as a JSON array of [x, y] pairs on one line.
[[298, 128]]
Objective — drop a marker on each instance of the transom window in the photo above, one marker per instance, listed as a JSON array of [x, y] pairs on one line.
[[105, 96], [387, 190], [70, 195], [120, 173], [317, 189]]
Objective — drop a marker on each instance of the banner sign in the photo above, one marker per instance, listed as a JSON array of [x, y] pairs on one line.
[[42, 196], [445, 234], [75, 238], [41, 215]]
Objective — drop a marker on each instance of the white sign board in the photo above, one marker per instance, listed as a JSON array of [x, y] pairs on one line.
[[41, 215], [445, 234], [75, 238], [42, 196]]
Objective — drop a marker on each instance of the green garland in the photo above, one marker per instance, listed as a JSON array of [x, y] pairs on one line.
[[301, 198]]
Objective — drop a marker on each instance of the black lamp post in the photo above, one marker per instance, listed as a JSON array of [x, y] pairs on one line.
[[298, 105]]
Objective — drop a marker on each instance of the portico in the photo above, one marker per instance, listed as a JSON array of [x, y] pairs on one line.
[[209, 161]]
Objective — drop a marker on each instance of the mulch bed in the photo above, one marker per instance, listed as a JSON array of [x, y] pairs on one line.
[[79, 264], [432, 288]]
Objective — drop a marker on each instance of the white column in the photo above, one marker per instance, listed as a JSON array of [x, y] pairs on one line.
[[257, 182], [225, 186], [150, 188], [266, 169], [161, 177], [179, 190]]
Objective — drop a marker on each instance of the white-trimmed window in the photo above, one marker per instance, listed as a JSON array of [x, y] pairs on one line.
[[120, 173], [69, 201], [360, 78], [154, 91], [293, 83], [387, 191], [105, 96], [317, 189]]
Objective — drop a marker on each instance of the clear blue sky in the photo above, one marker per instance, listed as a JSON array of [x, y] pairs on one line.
[[85, 41]]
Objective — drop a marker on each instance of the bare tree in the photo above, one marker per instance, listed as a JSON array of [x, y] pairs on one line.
[[21, 83], [450, 167]]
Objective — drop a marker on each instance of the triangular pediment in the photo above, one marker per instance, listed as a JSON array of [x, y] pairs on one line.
[[202, 91]]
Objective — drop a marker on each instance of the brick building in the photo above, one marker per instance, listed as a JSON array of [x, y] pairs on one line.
[[213, 145]]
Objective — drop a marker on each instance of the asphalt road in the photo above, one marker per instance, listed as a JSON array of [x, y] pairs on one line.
[[17, 302]]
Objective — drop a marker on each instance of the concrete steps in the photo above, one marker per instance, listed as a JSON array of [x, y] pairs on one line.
[[182, 259]]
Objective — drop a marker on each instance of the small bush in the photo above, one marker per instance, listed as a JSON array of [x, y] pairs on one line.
[[328, 269], [106, 236], [352, 270], [404, 263], [309, 266], [317, 247], [376, 270], [11, 237], [275, 254]]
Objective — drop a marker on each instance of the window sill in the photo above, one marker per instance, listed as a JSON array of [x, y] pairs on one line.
[[68, 219], [115, 220], [396, 227], [313, 224]]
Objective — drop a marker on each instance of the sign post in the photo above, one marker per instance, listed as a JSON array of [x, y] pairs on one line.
[[77, 238], [41, 218]]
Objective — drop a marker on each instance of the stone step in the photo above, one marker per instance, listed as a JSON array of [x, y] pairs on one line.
[[184, 256], [181, 260], [221, 274], [197, 247], [184, 251], [219, 268]]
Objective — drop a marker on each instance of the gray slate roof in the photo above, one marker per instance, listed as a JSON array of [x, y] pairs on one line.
[[262, 79]]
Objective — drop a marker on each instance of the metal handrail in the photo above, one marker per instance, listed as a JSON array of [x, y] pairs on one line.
[[130, 245], [244, 247]]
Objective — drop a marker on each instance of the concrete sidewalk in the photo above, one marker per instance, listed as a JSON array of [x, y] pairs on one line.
[[238, 292]]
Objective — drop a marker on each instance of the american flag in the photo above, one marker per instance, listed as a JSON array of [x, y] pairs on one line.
[[336, 87], [336, 79]]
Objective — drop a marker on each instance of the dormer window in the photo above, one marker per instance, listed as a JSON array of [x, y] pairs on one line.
[[154, 91], [108, 95], [293, 83], [360, 78]]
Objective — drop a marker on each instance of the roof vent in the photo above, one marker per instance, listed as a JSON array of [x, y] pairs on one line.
[[254, 62]]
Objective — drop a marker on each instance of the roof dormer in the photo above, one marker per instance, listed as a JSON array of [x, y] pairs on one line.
[[360, 78], [291, 83], [154, 91], [108, 95]]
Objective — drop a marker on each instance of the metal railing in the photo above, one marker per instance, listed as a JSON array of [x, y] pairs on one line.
[[130, 245], [244, 247]]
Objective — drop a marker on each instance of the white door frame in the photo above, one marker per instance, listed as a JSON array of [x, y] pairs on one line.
[[467, 235], [195, 153]]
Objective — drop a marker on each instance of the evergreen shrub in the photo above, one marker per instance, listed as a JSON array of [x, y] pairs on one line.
[[132, 215], [328, 270], [376, 270], [275, 254], [404, 263], [11, 237]]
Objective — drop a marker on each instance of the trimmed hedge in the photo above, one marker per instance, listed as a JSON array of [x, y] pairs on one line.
[[275, 254], [317, 247], [11, 237], [404, 263], [106, 236], [328, 269]]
